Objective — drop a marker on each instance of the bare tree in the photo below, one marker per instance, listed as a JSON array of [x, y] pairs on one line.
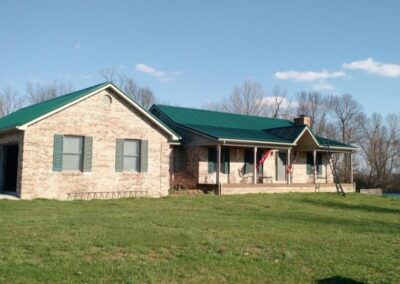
[[39, 92], [109, 74], [380, 144], [10, 101], [279, 97], [346, 112], [316, 106], [144, 96], [245, 99]]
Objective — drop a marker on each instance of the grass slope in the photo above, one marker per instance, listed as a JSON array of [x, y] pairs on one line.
[[255, 238]]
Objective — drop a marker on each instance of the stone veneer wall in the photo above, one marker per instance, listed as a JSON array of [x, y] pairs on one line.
[[105, 123], [299, 174]]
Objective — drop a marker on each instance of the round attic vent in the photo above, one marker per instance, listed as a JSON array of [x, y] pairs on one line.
[[107, 100]]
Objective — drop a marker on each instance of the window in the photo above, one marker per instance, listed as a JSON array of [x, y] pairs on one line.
[[72, 155], [179, 159], [248, 161], [310, 163], [212, 160], [225, 167], [131, 155]]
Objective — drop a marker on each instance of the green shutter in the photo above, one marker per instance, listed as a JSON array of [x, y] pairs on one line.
[[144, 145], [310, 162], [119, 155], [319, 163], [87, 153], [226, 160], [212, 157], [58, 152]]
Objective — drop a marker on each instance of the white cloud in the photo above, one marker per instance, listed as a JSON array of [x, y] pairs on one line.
[[308, 76], [77, 45], [159, 74], [375, 67], [271, 101], [322, 85]]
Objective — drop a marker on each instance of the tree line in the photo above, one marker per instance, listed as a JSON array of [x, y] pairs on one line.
[[36, 91], [338, 117]]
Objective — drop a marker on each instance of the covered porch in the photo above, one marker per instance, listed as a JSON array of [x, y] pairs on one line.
[[236, 167]]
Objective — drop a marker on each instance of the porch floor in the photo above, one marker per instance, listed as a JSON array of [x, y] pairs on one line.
[[269, 185]]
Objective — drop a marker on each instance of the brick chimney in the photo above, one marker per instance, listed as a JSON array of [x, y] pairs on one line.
[[303, 120]]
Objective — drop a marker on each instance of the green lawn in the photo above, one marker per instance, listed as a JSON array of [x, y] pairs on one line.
[[276, 238]]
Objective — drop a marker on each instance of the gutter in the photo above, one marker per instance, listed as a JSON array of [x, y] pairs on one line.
[[224, 140]]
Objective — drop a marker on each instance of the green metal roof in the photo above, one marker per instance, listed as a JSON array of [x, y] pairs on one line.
[[27, 114], [332, 143], [32, 112], [191, 116], [289, 133], [222, 125], [237, 133]]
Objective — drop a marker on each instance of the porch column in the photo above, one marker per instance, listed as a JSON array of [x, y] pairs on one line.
[[288, 167], [351, 168], [218, 170], [255, 166], [315, 165], [327, 161]]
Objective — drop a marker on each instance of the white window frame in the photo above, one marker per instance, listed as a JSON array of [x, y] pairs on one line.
[[137, 156], [80, 154]]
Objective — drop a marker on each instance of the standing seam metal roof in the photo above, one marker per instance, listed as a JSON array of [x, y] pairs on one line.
[[24, 115], [222, 125]]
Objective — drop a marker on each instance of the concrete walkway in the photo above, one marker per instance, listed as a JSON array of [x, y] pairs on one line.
[[8, 196]]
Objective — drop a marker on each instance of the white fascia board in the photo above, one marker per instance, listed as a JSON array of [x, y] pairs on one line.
[[319, 145], [255, 142], [301, 134]]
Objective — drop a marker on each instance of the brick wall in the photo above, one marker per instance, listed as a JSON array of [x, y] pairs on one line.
[[105, 123]]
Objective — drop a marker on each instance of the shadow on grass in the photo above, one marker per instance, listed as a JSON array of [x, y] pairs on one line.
[[360, 226], [338, 280], [345, 206]]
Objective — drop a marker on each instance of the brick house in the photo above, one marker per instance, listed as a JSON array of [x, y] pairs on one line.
[[92, 141], [248, 154], [99, 143]]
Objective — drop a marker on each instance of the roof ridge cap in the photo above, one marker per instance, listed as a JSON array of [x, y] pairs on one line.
[[223, 112]]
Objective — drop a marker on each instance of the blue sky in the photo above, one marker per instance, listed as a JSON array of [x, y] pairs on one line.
[[193, 52]]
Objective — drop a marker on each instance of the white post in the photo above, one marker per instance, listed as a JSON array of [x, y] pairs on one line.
[[288, 167], [255, 166], [351, 169], [315, 165], [218, 170], [327, 160]]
